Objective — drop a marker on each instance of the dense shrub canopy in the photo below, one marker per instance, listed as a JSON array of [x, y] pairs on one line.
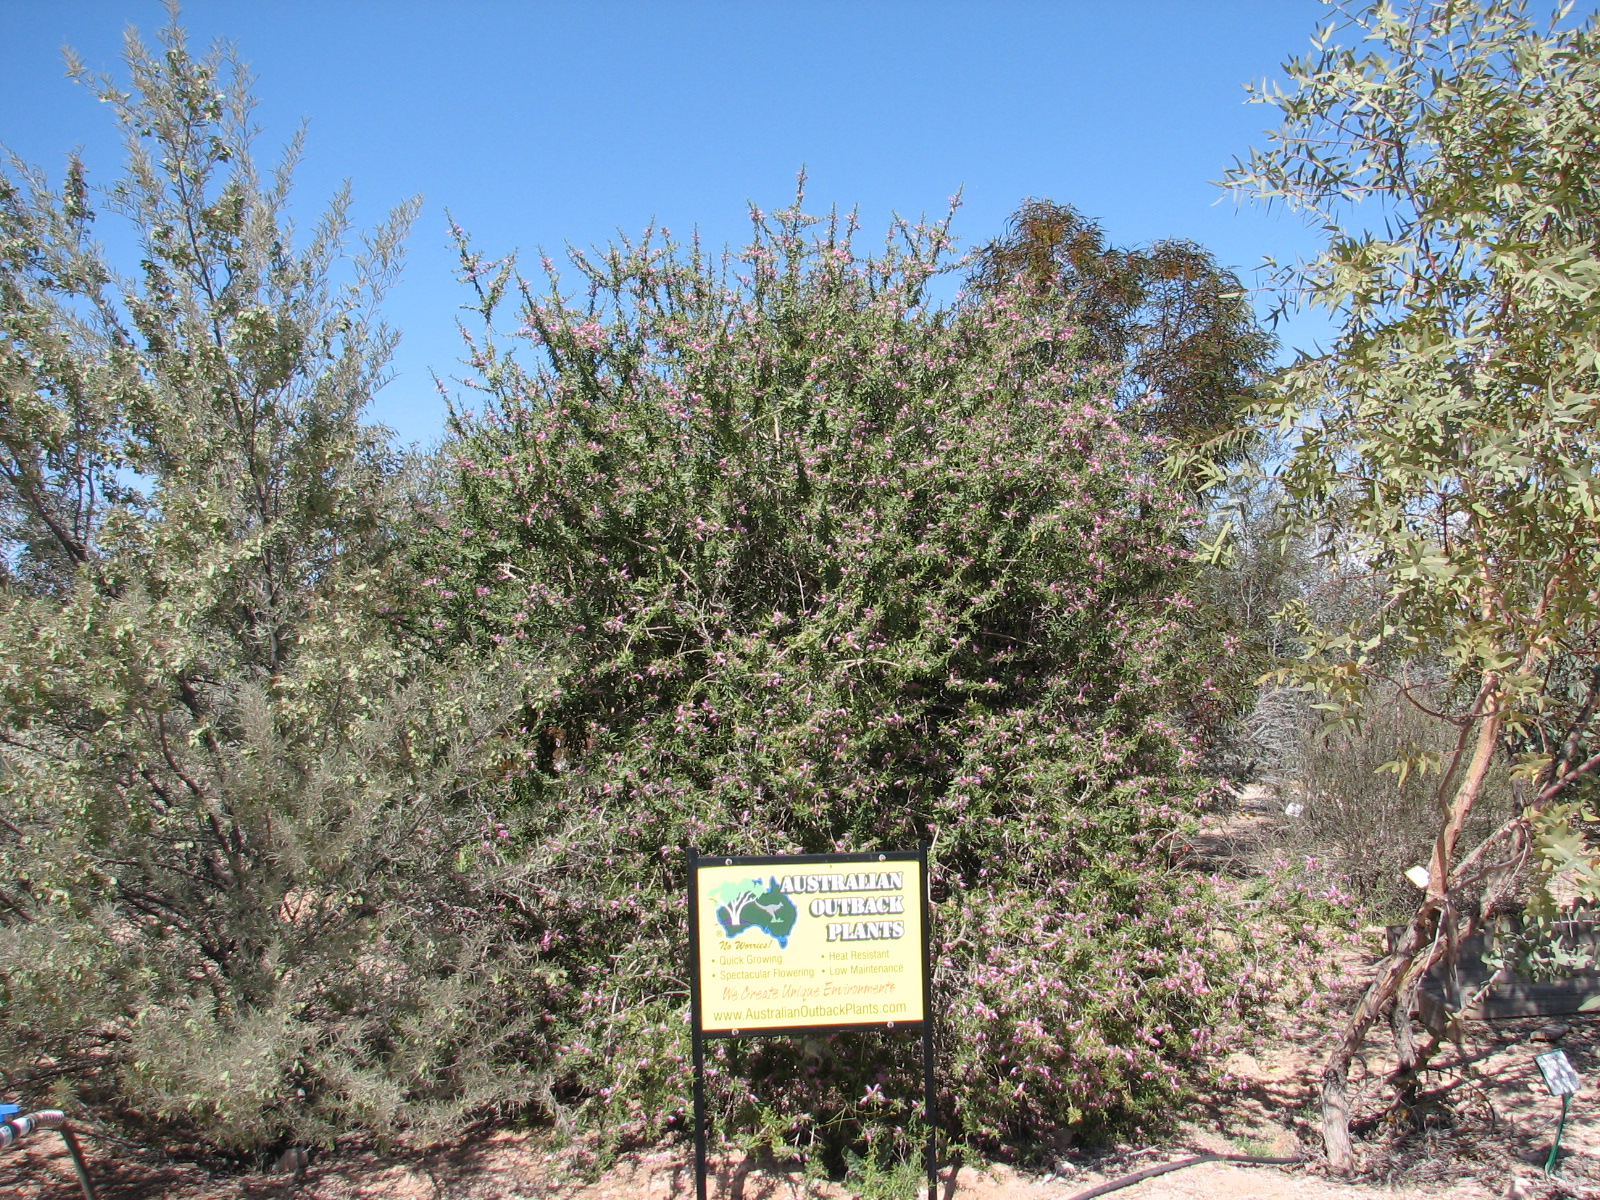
[[821, 565]]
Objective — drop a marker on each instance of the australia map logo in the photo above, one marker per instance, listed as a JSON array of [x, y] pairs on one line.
[[755, 904]]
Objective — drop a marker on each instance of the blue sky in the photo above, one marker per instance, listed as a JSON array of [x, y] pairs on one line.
[[538, 124]]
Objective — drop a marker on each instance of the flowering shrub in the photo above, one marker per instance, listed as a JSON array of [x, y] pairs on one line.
[[820, 565]]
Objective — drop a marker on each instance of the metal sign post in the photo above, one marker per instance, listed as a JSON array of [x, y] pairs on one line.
[[809, 943], [1563, 1081], [695, 1035]]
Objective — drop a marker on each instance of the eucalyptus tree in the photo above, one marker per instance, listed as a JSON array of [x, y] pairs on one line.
[[1450, 436], [1174, 326]]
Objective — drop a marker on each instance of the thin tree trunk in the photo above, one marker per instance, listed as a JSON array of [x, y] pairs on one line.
[[1379, 995], [1419, 947], [1407, 1053]]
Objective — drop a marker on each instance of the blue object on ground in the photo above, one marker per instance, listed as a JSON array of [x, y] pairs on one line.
[[9, 1110]]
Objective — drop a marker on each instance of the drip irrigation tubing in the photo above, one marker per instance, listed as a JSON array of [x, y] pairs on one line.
[[1151, 1172]]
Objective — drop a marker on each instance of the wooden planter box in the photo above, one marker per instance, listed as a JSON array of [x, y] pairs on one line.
[[1511, 995]]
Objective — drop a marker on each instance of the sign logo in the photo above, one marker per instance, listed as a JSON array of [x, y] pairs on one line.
[[740, 907]]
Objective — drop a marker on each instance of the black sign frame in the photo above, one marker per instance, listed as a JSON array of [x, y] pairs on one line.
[[693, 860]]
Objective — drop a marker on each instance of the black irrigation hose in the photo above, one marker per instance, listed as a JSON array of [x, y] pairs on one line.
[[1152, 1172]]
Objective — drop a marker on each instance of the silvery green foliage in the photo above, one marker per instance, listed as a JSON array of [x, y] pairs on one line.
[[1450, 434], [251, 886]]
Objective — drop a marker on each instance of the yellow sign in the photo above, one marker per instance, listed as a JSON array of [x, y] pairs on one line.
[[808, 941]]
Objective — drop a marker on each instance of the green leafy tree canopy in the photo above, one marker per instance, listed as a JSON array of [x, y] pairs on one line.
[[1449, 437], [1175, 325]]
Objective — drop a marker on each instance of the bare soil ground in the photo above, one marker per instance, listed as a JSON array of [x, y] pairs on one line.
[[1486, 1128], [507, 1167]]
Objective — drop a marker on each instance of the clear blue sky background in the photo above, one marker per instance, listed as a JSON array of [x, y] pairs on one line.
[[538, 124]]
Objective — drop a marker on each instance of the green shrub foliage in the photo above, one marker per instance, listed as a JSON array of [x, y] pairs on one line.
[[819, 565], [251, 889]]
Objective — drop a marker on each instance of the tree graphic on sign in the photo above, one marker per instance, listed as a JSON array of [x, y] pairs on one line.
[[755, 904]]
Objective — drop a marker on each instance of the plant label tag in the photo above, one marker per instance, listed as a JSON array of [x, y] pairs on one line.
[[1559, 1076]]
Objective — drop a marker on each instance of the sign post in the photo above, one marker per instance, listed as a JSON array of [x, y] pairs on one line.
[[1563, 1081], [806, 943]]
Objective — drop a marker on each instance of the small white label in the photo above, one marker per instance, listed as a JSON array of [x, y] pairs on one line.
[[1419, 876], [1293, 809], [1559, 1076]]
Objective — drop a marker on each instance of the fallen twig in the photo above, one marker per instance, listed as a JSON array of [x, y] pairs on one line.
[[1151, 1172]]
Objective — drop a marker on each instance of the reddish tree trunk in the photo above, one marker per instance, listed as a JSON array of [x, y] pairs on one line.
[[1419, 948]]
